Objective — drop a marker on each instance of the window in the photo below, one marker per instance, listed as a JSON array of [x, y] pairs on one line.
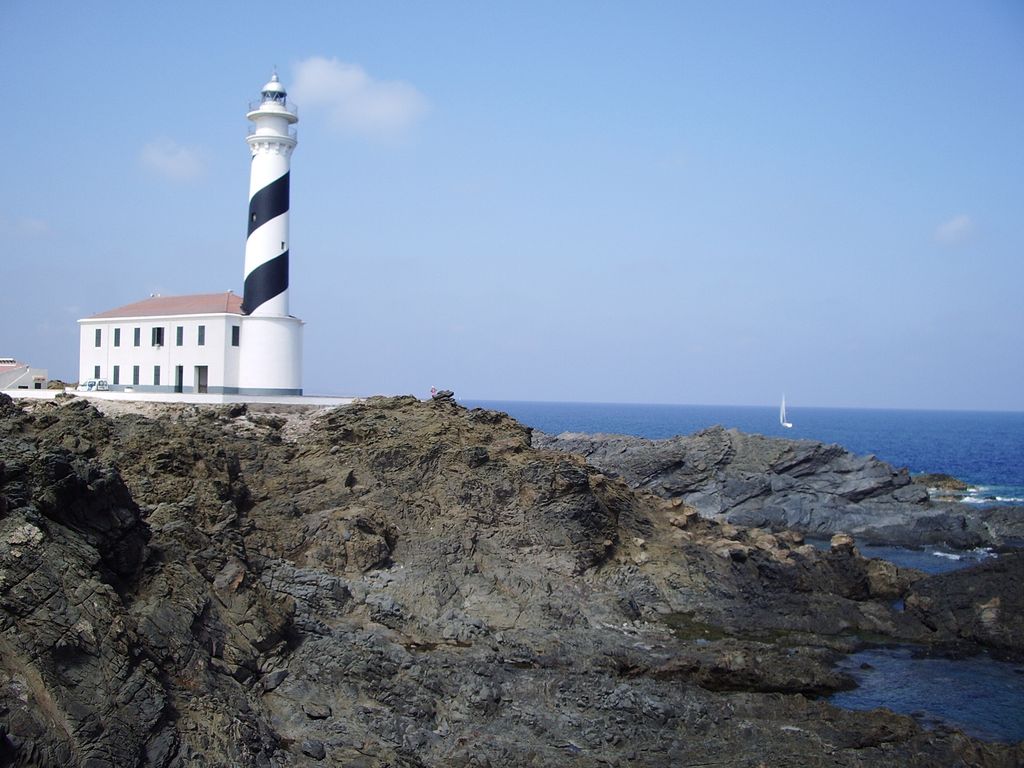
[[138, 338], [158, 337], [117, 337], [156, 375], [234, 335], [202, 335], [99, 337], [135, 374], [179, 335], [117, 375], [96, 372]]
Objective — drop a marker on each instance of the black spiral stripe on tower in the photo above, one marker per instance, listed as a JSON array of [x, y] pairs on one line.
[[265, 282], [270, 278], [269, 202]]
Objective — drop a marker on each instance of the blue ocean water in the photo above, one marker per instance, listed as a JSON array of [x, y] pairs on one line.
[[979, 695], [982, 448]]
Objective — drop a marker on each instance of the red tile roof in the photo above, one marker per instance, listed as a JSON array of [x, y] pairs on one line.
[[196, 304]]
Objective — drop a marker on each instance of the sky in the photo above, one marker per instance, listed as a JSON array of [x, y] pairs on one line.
[[645, 202]]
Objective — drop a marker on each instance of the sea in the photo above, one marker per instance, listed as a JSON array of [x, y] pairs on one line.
[[985, 449]]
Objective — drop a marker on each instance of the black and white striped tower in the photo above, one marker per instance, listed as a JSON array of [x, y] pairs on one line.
[[270, 358], [266, 249]]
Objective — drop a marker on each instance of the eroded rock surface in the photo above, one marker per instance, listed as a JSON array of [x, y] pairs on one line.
[[976, 605], [398, 583], [792, 484]]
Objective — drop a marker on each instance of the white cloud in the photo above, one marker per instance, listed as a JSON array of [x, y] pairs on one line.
[[357, 103], [32, 226], [169, 159], [24, 225], [955, 230]]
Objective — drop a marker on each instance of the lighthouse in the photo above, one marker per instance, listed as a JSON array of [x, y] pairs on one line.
[[270, 347], [217, 343]]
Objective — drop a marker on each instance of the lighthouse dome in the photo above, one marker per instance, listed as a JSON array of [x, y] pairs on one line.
[[274, 91]]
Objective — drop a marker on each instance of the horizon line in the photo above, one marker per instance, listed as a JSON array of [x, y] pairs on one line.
[[789, 406]]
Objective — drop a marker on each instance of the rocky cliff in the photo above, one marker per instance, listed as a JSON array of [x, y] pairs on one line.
[[398, 583], [791, 484]]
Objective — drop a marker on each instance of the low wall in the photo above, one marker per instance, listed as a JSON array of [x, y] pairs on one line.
[[172, 397]]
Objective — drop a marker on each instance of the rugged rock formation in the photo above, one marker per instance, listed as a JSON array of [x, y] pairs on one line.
[[941, 481], [400, 583], [977, 607], [791, 484]]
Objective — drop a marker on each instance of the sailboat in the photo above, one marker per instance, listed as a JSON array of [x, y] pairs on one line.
[[782, 414]]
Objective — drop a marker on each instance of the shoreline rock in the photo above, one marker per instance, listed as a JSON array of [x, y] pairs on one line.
[[397, 583], [975, 606], [783, 484], [941, 481]]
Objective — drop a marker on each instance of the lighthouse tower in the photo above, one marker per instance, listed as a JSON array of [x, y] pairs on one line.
[[270, 354]]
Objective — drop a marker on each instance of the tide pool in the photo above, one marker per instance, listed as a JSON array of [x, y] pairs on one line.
[[978, 695]]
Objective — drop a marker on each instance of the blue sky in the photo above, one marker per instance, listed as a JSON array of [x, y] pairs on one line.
[[622, 202]]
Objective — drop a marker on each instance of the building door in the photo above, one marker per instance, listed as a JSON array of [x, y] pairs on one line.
[[179, 377], [201, 379]]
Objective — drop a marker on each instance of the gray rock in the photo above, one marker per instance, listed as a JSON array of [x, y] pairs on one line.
[[273, 679], [314, 749], [412, 584], [316, 711], [784, 484], [978, 604]]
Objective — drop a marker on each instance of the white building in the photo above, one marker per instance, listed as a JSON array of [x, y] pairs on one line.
[[166, 344], [218, 343], [15, 375]]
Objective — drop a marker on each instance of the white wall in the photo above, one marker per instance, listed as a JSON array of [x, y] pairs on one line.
[[271, 359], [217, 354]]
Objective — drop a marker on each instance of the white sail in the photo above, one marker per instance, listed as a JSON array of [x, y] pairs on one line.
[[782, 414]]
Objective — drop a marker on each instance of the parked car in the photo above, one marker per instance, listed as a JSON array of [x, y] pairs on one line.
[[93, 385]]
